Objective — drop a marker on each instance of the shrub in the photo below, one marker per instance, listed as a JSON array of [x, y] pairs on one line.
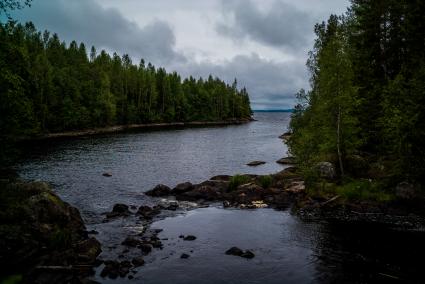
[[237, 180]]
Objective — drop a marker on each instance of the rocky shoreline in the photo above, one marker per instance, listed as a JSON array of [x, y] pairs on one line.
[[133, 127]]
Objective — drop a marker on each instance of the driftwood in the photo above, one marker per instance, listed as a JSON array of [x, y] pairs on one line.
[[329, 201]]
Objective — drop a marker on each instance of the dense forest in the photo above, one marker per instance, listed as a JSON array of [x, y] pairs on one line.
[[49, 86], [365, 111]]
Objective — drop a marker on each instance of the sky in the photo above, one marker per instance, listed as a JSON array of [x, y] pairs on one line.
[[262, 43]]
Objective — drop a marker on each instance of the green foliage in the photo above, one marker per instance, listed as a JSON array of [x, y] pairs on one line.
[[265, 181], [238, 180], [48, 86], [367, 96]]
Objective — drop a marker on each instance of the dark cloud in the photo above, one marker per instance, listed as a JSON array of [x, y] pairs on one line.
[[282, 25], [271, 85], [87, 21]]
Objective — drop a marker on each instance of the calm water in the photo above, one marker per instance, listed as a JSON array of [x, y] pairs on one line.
[[287, 249]]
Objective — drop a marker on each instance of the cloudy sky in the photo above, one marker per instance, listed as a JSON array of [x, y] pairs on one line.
[[263, 43]]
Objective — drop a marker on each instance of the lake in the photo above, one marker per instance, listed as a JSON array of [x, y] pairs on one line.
[[287, 249]]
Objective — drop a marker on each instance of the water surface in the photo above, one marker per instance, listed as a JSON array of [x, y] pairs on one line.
[[287, 249]]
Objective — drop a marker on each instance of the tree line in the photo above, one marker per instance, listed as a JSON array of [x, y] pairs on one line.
[[47, 86], [365, 109]]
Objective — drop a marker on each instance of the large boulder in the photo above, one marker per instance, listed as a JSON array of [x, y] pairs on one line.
[[182, 188], [159, 191], [38, 230], [204, 192], [326, 170]]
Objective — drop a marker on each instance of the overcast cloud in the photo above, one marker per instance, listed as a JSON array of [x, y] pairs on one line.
[[262, 43]]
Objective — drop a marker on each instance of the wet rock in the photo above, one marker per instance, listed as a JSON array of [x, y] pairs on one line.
[[189, 238], [119, 210], [107, 174], [184, 256], [169, 205], [145, 248], [248, 254], [159, 191], [286, 161], [255, 163], [326, 170], [238, 252], [92, 232], [148, 212], [234, 251], [202, 192], [131, 242], [138, 261], [226, 204], [182, 188], [111, 269]]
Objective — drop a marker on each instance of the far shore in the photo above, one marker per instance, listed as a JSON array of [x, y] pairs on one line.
[[129, 127]]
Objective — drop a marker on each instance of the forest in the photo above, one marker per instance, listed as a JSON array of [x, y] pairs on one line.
[[47, 85], [365, 110]]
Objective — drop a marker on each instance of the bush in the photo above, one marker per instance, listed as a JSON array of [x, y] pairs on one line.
[[265, 181], [237, 180]]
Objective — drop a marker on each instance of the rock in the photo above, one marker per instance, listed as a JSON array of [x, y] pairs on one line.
[[111, 269], [90, 248], [238, 252], [189, 238], [221, 178], [296, 187], [226, 204], [285, 136], [406, 190], [131, 242], [146, 248], [246, 193], [169, 204], [159, 190], [107, 174], [147, 212], [326, 170], [202, 192], [259, 204], [138, 261], [255, 163], [248, 254], [119, 210], [184, 256], [182, 188], [234, 251], [286, 161]]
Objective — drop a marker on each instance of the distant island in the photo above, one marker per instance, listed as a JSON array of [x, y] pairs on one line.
[[273, 110]]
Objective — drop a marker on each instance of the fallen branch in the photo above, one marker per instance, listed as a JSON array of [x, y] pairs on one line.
[[330, 200]]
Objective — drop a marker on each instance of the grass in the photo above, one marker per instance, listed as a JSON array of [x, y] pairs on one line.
[[238, 180], [352, 190], [265, 181]]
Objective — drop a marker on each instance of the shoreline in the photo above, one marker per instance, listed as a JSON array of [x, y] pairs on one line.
[[131, 127]]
